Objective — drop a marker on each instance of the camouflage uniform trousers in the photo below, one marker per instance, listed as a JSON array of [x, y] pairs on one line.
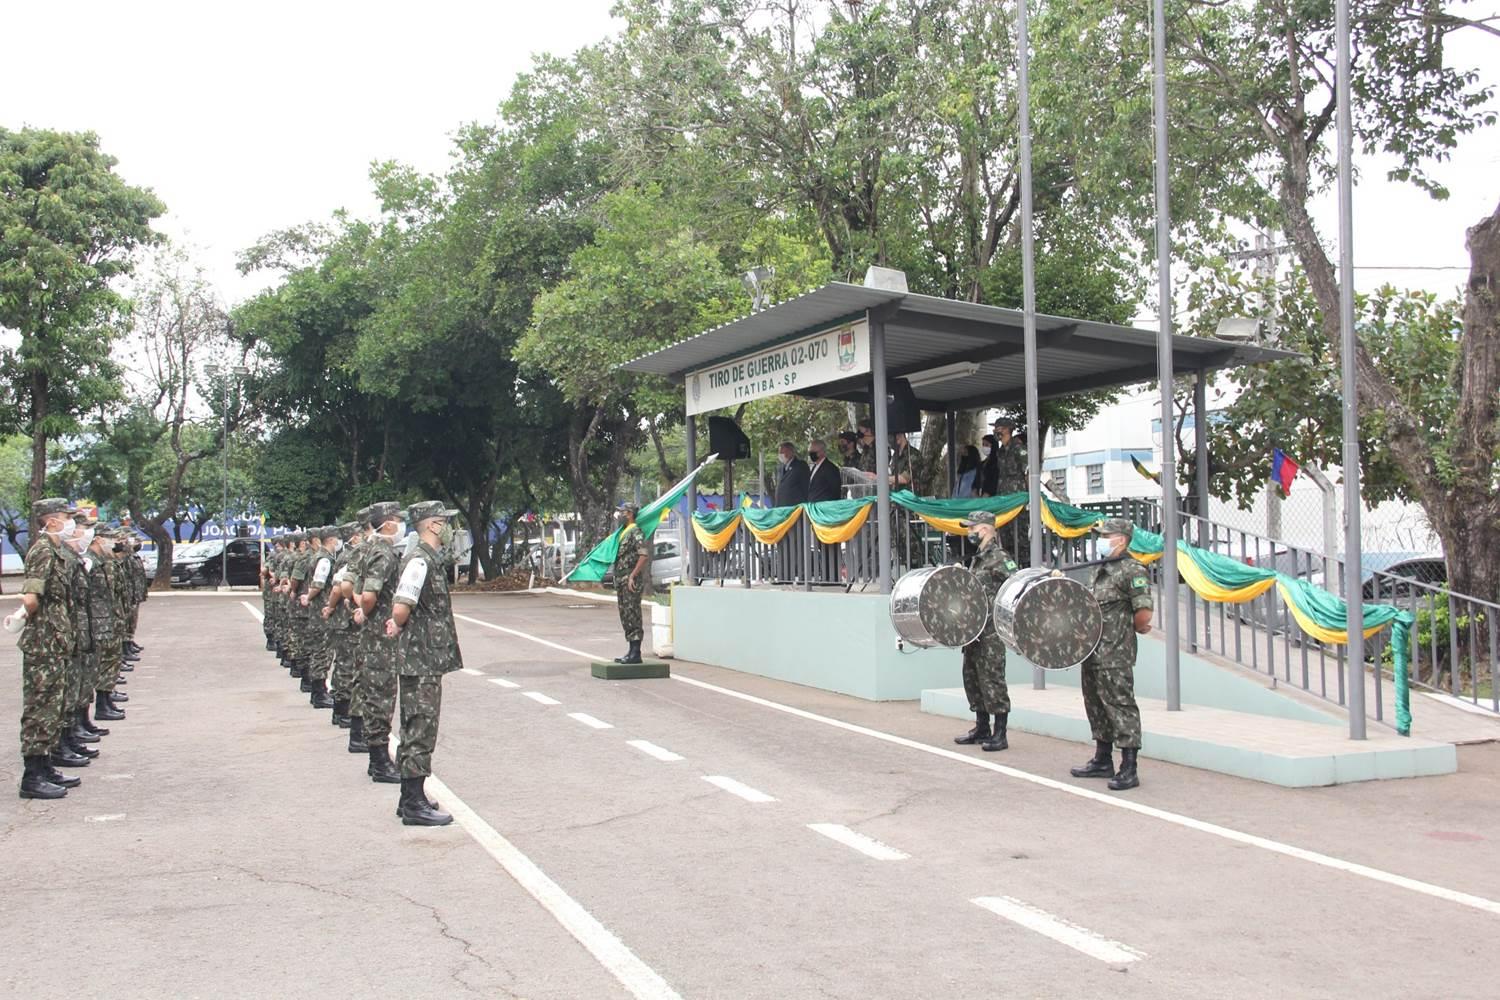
[[377, 693], [421, 705], [81, 674], [297, 644], [345, 643], [1109, 700], [108, 663], [630, 612], [43, 681], [984, 675], [320, 644]]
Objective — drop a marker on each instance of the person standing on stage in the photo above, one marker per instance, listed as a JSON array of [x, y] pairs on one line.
[[984, 658], [631, 571], [422, 624], [1123, 590]]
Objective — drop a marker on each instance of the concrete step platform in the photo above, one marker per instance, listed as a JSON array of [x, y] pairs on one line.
[[1291, 753], [644, 670]]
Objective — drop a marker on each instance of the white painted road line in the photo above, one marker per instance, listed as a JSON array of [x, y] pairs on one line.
[[536, 639], [106, 818], [542, 699], [254, 611], [640, 979], [116, 777], [652, 750], [864, 845], [736, 788], [471, 671], [502, 682], [1080, 939], [589, 720]]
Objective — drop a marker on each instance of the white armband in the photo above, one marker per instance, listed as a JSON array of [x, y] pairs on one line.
[[320, 573], [412, 578]]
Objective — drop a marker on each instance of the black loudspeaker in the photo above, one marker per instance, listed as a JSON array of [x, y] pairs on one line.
[[902, 414], [726, 439]]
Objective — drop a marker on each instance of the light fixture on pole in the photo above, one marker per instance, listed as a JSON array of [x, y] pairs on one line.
[[757, 282], [227, 372]]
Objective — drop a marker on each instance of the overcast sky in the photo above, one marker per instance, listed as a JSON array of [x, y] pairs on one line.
[[248, 118]]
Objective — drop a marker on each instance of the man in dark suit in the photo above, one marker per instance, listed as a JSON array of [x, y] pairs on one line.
[[823, 482], [791, 482]]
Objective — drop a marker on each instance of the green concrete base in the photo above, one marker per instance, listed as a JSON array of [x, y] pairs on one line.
[[644, 670], [1285, 752], [836, 642]]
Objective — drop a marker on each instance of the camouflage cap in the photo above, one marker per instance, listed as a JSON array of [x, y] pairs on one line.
[[292, 537], [349, 529], [85, 520], [385, 509], [1115, 526], [631, 506], [419, 512], [1005, 422], [328, 531], [362, 516], [53, 505], [977, 517]]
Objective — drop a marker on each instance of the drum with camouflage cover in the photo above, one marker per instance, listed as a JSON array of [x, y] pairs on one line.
[[1048, 618], [939, 606]]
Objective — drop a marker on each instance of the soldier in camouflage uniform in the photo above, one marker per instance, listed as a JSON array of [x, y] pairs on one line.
[[296, 606], [267, 584], [139, 591], [427, 648], [1122, 588], [380, 569], [102, 626], [866, 460], [631, 562], [1011, 477], [111, 646], [282, 597], [340, 617], [320, 638], [72, 741], [353, 589], [47, 644], [984, 658]]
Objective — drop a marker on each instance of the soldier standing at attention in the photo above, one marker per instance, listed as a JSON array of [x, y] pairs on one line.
[[422, 624], [116, 576], [984, 658], [1123, 590], [631, 561], [71, 743], [380, 569], [320, 659], [101, 623], [353, 587], [341, 625], [307, 543], [46, 643]]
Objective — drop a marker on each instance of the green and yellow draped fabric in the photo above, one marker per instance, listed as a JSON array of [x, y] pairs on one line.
[[1211, 576]]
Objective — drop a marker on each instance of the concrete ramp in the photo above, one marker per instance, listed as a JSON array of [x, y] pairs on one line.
[[1290, 752]]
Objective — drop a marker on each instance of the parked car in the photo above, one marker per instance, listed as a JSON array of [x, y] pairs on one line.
[[203, 564], [666, 563]]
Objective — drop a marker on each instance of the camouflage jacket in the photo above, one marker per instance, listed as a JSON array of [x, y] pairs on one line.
[[1010, 462], [101, 599], [866, 460], [343, 614], [1122, 587], [301, 569], [993, 566], [428, 644], [78, 601], [138, 581], [49, 632], [380, 568], [632, 545], [121, 589]]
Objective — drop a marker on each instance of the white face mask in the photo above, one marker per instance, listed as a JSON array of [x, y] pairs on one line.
[[88, 536], [394, 537], [68, 529], [984, 453]]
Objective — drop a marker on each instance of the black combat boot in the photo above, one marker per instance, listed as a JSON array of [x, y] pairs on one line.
[[979, 733], [79, 733], [998, 741], [83, 720], [105, 709], [633, 655], [431, 803], [1101, 765], [414, 808], [120, 679], [305, 685], [319, 697], [34, 781], [119, 697], [357, 735], [381, 770], [270, 643], [134, 646], [80, 749], [296, 668], [63, 756], [1126, 778], [55, 776], [126, 667], [341, 712]]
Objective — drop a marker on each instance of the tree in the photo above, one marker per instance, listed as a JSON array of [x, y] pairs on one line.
[[1267, 70], [69, 226]]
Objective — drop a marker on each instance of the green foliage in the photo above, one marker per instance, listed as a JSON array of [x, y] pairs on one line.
[[295, 481]]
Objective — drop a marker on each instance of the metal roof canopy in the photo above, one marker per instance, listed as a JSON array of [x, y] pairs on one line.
[[923, 332]]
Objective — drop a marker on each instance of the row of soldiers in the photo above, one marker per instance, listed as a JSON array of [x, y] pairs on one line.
[[361, 616], [80, 603]]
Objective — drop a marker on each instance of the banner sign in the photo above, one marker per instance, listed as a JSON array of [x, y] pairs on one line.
[[828, 356]]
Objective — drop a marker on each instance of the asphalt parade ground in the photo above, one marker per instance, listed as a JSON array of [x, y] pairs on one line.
[[714, 835]]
